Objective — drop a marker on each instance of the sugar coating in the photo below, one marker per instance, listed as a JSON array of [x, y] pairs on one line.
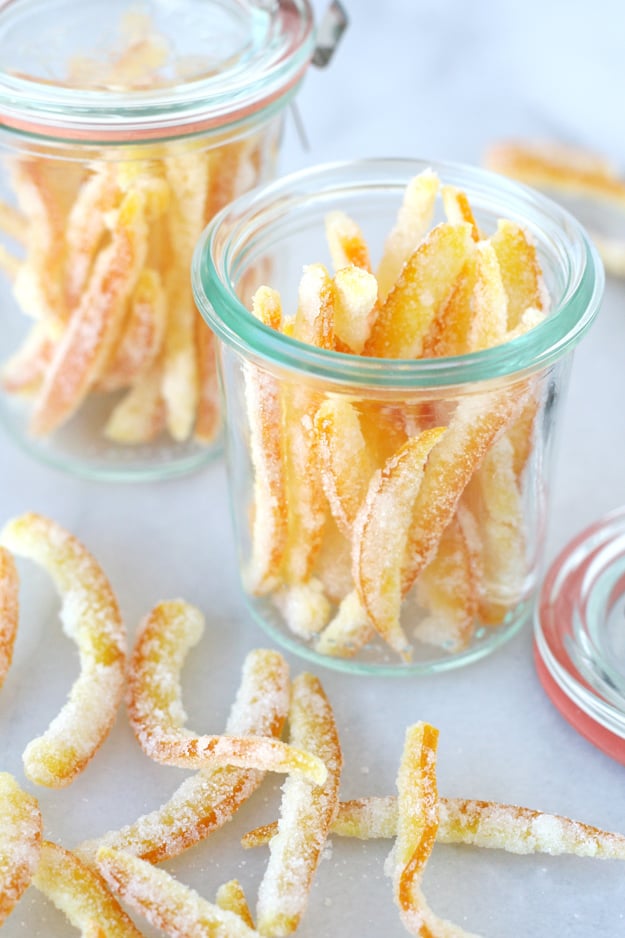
[[207, 800], [91, 617], [20, 842]]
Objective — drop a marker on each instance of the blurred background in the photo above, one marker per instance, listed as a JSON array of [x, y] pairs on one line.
[[442, 79]]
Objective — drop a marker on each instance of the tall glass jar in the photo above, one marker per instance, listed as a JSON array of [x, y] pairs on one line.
[[390, 513], [124, 128]]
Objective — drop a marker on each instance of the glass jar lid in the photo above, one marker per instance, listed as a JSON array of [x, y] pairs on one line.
[[105, 70], [580, 634]]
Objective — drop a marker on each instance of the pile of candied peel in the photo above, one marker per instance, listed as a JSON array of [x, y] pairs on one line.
[[363, 504], [98, 254], [98, 883]]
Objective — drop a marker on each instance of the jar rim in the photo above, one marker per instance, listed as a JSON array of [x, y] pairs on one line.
[[276, 46], [230, 230]]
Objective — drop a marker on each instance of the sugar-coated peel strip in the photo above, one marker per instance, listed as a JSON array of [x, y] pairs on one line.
[[333, 566], [346, 242], [305, 499], [24, 371], [355, 295], [230, 897], [142, 334], [477, 422], [417, 823], [262, 401], [20, 842], [496, 497], [413, 221], [306, 813], [157, 715], [139, 416], [187, 175], [520, 271], [475, 823], [86, 226], [208, 417], [458, 209], [94, 325], [9, 610], [9, 263], [490, 316], [348, 631], [423, 287], [13, 223], [559, 167], [42, 198], [207, 800], [166, 903], [380, 537], [448, 590], [346, 463], [80, 893], [304, 607], [91, 617]]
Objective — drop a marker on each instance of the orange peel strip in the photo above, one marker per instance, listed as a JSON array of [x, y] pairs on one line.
[[9, 263], [142, 334], [262, 400], [474, 823], [9, 610], [206, 800], [348, 631], [86, 227], [412, 223], [231, 898], [558, 167], [80, 893], [166, 903], [306, 813], [91, 617], [490, 319], [355, 295], [208, 419], [381, 532], [20, 842], [140, 415], [477, 422], [187, 175], [499, 512], [447, 589], [157, 715], [458, 209], [13, 223], [25, 370], [94, 326], [346, 242], [422, 289], [520, 271], [346, 463], [306, 507], [417, 823]]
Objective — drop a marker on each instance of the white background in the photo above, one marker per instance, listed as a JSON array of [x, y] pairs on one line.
[[435, 79]]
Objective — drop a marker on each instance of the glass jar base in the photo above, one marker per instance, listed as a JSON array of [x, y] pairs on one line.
[[377, 659], [80, 449]]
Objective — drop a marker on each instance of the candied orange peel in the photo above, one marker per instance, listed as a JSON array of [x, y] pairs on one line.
[[20, 842], [364, 504], [98, 252], [157, 715], [574, 175], [91, 617]]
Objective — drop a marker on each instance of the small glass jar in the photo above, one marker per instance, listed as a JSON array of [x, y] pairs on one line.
[[464, 544], [124, 128]]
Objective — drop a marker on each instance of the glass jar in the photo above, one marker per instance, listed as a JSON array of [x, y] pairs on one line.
[[124, 128], [341, 515]]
